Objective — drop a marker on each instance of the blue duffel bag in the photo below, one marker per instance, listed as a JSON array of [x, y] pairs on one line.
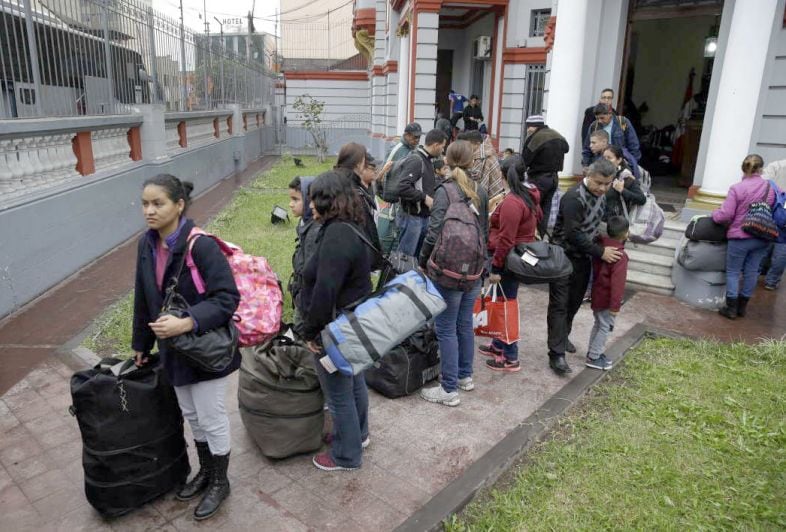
[[358, 338]]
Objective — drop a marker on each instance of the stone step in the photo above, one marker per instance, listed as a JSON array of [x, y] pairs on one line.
[[673, 229], [646, 262], [662, 246], [648, 282]]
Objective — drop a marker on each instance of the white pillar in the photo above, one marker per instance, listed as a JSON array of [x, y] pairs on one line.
[[403, 86], [734, 114], [563, 109]]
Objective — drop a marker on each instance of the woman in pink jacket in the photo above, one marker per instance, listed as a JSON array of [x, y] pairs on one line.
[[745, 252]]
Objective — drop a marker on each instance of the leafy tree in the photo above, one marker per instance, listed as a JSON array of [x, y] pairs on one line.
[[310, 112]]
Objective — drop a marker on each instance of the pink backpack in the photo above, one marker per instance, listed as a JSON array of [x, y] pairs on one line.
[[258, 316]]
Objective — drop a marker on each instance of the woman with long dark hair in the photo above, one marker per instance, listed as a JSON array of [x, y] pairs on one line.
[[454, 325], [165, 200], [336, 276], [513, 222], [625, 189], [352, 163]]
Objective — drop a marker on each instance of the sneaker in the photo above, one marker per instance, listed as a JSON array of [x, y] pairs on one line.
[[488, 350], [328, 439], [325, 462], [569, 347], [466, 384], [770, 287], [437, 394], [601, 363], [503, 364]]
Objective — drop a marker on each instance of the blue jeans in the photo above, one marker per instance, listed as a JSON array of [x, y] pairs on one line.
[[743, 258], [455, 335], [510, 287], [347, 399], [777, 265], [411, 232]]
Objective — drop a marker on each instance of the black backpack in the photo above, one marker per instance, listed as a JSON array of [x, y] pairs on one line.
[[393, 179]]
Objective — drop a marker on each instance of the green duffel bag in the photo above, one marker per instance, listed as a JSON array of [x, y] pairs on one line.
[[281, 403]]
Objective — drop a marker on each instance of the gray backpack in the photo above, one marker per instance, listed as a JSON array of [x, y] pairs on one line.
[[393, 179]]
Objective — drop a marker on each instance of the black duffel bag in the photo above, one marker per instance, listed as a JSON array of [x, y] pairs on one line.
[[132, 434], [547, 262], [408, 366], [705, 229]]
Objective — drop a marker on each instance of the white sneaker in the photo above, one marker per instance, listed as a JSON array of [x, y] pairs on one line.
[[365, 443], [437, 394], [466, 384]]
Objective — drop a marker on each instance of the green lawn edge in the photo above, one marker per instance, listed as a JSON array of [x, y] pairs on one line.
[[684, 435], [244, 221]]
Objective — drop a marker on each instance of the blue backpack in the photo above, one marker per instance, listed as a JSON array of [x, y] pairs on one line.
[[779, 212]]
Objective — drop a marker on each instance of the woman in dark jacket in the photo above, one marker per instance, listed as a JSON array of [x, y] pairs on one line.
[[337, 275], [513, 222], [625, 187], [454, 325], [200, 394], [351, 164]]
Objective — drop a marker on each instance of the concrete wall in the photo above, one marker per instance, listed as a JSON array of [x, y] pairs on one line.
[[769, 133], [345, 100], [47, 239], [519, 13], [666, 51]]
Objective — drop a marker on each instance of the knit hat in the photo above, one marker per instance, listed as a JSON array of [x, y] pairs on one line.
[[535, 120]]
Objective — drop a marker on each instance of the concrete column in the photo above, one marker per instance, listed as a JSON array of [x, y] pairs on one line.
[[425, 78], [237, 120], [741, 71], [564, 96], [403, 85], [153, 132]]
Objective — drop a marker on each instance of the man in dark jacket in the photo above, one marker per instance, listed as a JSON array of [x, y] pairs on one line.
[[578, 225], [606, 97], [621, 133], [473, 116], [416, 191], [543, 152]]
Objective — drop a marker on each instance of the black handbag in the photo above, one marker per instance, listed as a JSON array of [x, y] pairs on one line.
[[547, 262], [211, 351]]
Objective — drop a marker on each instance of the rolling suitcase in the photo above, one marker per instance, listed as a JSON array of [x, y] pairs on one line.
[[132, 434]]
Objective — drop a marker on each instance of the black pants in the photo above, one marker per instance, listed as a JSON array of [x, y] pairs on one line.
[[577, 285], [547, 185], [565, 297], [454, 118]]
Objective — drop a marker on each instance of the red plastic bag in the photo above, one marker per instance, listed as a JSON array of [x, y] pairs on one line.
[[495, 316]]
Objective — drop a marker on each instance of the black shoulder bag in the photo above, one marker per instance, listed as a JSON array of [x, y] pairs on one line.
[[211, 351]]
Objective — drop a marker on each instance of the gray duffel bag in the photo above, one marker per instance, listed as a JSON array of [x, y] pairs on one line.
[[703, 256], [281, 403]]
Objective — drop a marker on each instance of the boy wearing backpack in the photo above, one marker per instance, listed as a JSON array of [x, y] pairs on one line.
[[608, 289], [307, 230]]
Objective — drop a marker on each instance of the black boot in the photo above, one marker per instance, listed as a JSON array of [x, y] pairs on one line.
[[730, 310], [202, 479], [559, 364], [217, 490], [742, 304]]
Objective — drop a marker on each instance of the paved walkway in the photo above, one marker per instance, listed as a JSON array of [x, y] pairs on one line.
[[417, 448]]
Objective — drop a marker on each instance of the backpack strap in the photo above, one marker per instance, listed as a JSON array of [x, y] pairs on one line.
[[196, 277], [622, 121]]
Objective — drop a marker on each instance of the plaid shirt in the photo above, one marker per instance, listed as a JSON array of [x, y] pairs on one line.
[[486, 170]]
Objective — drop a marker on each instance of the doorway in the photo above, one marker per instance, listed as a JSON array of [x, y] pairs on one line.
[[444, 81], [667, 70]]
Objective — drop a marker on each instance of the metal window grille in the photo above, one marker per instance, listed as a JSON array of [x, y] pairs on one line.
[[533, 95], [94, 57], [539, 18]]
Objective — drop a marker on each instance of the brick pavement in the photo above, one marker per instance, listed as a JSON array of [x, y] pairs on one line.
[[417, 448]]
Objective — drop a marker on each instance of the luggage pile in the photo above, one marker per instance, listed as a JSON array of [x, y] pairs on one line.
[[281, 403], [699, 275], [132, 434]]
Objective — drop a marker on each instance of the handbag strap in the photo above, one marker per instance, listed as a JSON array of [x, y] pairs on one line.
[[624, 207], [173, 281]]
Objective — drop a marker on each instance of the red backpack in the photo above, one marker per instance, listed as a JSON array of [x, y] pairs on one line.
[[258, 316], [459, 254]]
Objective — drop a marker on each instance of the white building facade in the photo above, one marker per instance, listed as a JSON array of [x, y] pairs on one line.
[[554, 57]]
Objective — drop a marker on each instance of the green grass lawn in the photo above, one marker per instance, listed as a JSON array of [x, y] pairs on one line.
[[246, 222], [683, 436]]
